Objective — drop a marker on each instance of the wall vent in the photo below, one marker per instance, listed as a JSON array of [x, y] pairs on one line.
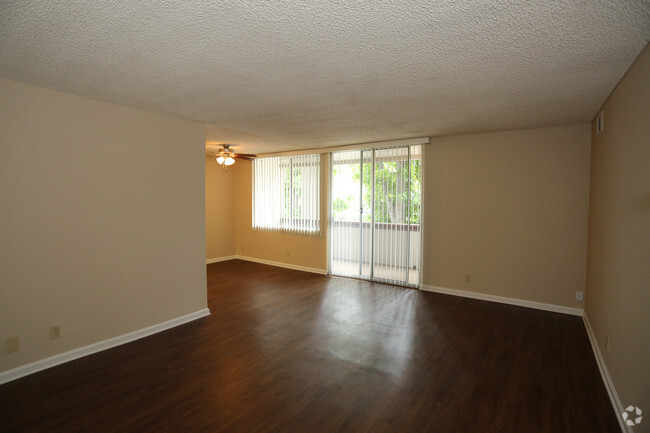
[[600, 122]]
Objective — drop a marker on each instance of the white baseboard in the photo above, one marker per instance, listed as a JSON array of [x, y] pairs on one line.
[[24, 370], [219, 259], [504, 300], [609, 385], [282, 265]]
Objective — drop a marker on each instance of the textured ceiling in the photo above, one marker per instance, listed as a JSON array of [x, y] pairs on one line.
[[280, 75]]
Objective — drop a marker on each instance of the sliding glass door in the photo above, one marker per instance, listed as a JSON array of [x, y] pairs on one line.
[[375, 214], [350, 231]]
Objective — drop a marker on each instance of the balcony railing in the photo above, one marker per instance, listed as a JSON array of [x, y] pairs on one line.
[[390, 243], [378, 226]]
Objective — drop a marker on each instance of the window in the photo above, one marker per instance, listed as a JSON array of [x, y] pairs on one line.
[[286, 194]]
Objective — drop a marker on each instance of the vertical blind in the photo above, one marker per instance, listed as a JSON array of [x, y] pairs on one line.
[[286, 194], [376, 207]]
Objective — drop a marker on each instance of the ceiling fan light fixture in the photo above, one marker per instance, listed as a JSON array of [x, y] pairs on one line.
[[226, 157]]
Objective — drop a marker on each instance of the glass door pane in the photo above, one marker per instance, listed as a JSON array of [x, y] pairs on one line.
[[391, 215], [366, 213], [415, 213], [347, 256]]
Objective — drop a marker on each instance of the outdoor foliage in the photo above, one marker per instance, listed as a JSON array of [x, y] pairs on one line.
[[391, 190]]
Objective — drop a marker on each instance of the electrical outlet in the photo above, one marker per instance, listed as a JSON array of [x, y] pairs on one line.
[[606, 342], [55, 332], [13, 344], [468, 278], [288, 253], [579, 296], [242, 249]]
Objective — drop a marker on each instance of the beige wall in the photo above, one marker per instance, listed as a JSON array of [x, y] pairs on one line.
[[618, 276], [510, 209], [102, 228], [297, 250], [219, 209]]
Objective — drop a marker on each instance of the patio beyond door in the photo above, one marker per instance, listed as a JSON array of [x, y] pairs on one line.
[[375, 214]]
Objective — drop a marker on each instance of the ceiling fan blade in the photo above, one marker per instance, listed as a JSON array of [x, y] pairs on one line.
[[245, 156]]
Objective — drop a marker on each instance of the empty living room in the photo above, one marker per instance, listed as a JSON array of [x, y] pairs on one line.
[[327, 216]]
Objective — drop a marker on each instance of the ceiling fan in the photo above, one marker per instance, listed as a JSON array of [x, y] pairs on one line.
[[226, 157]]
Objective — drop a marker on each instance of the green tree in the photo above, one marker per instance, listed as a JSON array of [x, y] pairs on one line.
[[392, 186], [340, 205], [292, 192]]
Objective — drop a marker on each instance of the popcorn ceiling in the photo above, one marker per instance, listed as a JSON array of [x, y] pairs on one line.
[[282, 75]]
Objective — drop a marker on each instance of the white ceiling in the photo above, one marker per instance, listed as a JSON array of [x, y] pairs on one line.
[[281, 75]]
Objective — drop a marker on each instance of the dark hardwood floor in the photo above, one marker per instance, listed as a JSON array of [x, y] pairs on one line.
[[288, 351]]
